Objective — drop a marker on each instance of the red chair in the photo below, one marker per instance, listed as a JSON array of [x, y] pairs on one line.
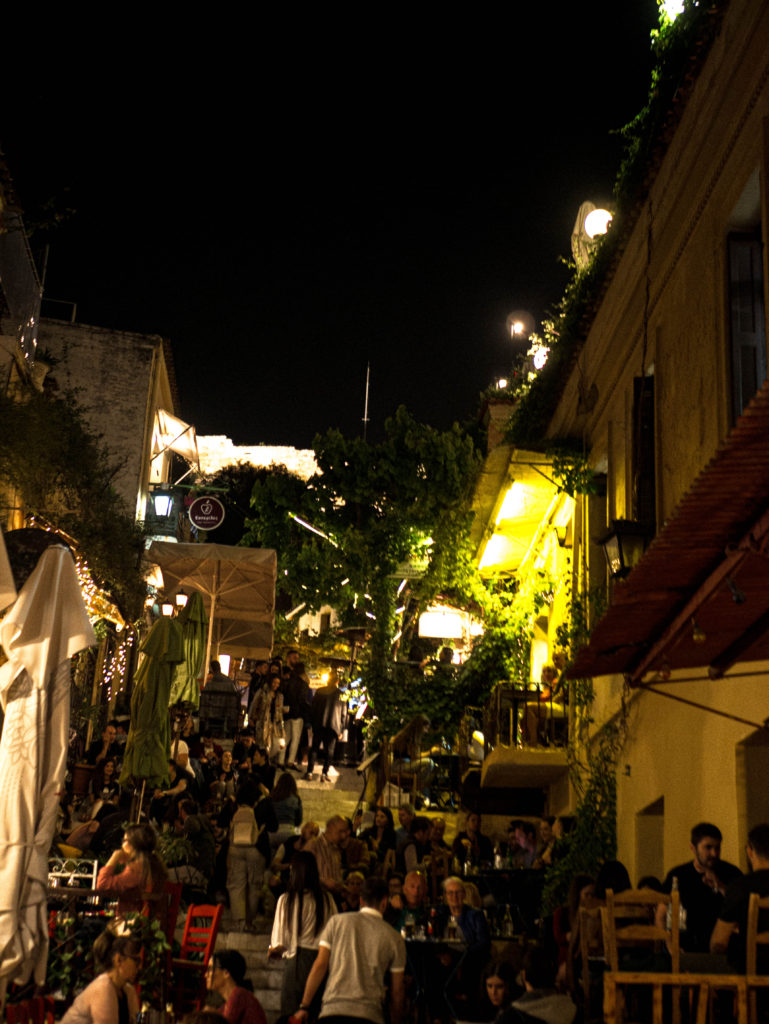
[[38, 1010], [198, 941]]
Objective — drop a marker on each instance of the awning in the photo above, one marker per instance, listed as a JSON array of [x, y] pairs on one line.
[[699, 597], [173, 434], [238, 588], [515, 500]]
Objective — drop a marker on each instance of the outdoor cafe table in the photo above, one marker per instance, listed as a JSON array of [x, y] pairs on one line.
[[518, 888]]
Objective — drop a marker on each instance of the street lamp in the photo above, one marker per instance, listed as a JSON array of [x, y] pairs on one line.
[[591, 223], [520, 325], [623, 544]]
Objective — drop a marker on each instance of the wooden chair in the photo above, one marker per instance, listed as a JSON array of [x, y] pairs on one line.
[[753, 939], [590, 952], [189, 968], [629, 922]]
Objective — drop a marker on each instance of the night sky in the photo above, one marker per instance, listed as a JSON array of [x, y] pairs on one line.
[[289, 199]]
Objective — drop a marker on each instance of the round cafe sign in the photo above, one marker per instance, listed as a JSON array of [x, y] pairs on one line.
[[206, 513]]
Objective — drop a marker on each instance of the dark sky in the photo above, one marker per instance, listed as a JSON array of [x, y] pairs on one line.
[[289, 199]]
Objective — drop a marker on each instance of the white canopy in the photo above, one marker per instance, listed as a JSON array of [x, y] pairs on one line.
[[172, 434], [238, 588], [47, 625]]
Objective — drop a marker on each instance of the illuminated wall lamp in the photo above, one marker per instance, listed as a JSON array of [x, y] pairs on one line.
[[163, 504], [623, 544], [167, 609]]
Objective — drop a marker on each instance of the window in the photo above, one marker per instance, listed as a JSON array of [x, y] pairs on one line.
[[746, 309]]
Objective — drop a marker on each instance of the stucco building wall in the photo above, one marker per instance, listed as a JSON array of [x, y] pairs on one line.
[[119, 378], [682, 765]]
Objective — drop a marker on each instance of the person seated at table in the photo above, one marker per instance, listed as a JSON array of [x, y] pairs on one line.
[[730, 931], [526, 838], [261, 769], [497, 991], [406, 814], [410, 903], [165, 799], [134, 870], [472, 843], [540, 1002], [394, 885], [539, 711], [353, 886], [473, 931], [105, 747], [380, 837], [468, 928], [225, 977], [613, 875], [111, 997], [410, 763], [355, 853], [473, 896], [243, 747], [437, 832], [416, 849], [546, 841]]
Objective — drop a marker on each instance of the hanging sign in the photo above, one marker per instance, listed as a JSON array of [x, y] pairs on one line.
[[206, 513]]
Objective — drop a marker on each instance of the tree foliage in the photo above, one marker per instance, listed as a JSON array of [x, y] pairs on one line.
[[62, 473], [388, 510]]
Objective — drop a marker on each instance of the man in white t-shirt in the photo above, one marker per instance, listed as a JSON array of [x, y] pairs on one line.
[[357, 951]]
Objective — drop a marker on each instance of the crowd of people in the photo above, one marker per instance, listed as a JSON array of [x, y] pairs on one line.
[[348, 898]]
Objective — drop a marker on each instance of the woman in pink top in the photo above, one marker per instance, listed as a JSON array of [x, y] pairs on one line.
[[134, 870], [110, 998]]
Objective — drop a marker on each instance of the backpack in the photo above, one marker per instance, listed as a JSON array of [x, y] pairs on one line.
[[244, 830]]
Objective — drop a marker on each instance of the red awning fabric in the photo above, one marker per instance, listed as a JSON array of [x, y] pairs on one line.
[[709, 564]]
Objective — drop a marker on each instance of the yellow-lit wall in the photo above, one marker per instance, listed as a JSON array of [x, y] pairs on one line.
[[712, 179]]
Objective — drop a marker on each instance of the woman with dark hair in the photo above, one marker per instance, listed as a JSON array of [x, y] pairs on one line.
[[288, 809], [611, 875], [248, 853], [225, 977], [134, 870], [110, 998], [380, 837], [299, 918], [281, 863], [266, 712], [498, 989]]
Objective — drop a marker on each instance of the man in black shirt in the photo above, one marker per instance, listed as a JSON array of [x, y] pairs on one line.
[[702, 883], [732, 924]]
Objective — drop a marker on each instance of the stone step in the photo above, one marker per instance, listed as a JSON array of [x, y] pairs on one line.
[[244, 941], [265, 977]]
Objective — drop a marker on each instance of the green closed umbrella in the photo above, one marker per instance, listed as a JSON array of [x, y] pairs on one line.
[[193, 620], [148, 745]]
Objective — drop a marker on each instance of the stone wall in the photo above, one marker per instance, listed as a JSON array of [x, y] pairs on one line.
[[113, 376]]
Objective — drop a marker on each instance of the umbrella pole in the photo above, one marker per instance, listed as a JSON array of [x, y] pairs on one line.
[[214, 590], [141, 800]]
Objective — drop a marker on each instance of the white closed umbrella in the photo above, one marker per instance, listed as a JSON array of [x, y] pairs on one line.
[[46, 626]]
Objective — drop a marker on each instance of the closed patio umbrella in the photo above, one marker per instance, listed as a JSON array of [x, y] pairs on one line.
[[192, 619], [40, 633], [148, 745]]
